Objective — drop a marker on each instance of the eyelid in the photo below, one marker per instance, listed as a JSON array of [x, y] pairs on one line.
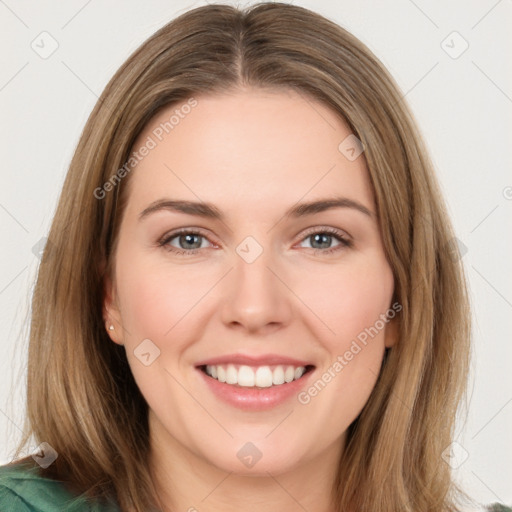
[[326, 229], [344, 239], [164, 239]]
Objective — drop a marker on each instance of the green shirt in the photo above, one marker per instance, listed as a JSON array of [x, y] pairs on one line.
[[23, 489]]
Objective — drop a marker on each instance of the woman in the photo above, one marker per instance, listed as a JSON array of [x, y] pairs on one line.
[[248, 368]]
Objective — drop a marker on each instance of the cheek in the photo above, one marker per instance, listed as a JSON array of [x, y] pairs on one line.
[[156, 296], [148, 306], [157, 304], [349, 299]]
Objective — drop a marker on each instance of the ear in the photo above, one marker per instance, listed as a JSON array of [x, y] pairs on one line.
[[392, 332], [111, 313]]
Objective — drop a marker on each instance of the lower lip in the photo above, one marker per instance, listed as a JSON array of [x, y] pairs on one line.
[[255, 399]]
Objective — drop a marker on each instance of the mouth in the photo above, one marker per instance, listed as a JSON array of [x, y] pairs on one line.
[[258, 377]]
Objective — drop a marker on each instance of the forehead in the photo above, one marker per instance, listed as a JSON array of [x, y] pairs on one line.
[[250, 147]]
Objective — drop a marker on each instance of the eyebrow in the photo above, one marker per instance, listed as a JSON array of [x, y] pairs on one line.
[[208, 210]]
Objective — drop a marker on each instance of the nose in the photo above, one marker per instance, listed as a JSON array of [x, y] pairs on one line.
[[257, 298]]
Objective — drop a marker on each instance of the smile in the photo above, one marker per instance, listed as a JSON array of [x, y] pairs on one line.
[[255, 377]]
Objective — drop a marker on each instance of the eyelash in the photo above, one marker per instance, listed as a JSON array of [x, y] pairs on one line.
[[344, 242]]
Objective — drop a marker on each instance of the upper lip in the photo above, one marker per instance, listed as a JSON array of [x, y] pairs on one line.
[[261, 360]]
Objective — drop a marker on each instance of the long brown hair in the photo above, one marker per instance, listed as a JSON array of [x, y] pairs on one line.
[[81, 396]]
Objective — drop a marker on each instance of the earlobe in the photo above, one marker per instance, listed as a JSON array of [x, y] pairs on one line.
[[391, 332], [111, 315]]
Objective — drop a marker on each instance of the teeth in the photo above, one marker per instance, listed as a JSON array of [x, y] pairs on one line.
[[261, 377], [231, 375], [278, 376]]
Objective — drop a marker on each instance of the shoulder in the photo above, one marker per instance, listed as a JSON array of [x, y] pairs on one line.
[[24, 489]]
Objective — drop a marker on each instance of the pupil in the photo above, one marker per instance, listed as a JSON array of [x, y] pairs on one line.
[[188, 239], [325, 237]]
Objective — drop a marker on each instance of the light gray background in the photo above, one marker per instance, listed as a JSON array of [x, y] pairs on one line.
[[463, 106]]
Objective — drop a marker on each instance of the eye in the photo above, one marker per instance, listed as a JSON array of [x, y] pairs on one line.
[[323, 237], [189, 242]]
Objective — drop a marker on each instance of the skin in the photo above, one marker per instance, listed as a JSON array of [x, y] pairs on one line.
[[253, 154]]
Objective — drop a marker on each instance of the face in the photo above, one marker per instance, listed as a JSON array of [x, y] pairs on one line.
[[256, 275]]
